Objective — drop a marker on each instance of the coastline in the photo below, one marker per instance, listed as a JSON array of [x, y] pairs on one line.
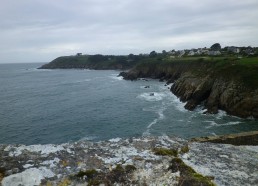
[[229, 84], [136, 161], [226, 87]]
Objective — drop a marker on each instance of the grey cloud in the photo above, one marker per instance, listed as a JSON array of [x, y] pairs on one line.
[[34, 28]]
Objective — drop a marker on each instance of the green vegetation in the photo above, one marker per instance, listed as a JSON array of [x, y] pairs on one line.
[[188, 176], [184, 149], [166, 66], [97, 62], [248, 61], [244, 70], [165, 152]]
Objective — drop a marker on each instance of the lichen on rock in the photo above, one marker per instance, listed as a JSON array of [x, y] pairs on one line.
[[128, 162]]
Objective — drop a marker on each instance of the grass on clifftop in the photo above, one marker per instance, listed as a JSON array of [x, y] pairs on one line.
[[243, 70]]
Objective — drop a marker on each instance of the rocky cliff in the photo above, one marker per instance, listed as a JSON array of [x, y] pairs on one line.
[[225, 85]]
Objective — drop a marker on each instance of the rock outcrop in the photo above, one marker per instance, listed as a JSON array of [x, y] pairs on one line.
[[244, 138], [232, 87], [135, 161], [114, 162], [217, 93]]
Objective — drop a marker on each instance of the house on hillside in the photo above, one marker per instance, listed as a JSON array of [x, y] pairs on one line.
[[181, 53], [191, 53], [78, 54], [172, 52], [199, 51], [205, 51], [214, 53], [249, 51], [233, 49]]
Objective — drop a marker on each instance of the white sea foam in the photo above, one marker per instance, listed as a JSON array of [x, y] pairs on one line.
[[232, 123], [161, 116], [178, 104], [116, 77], [167, 98], [88, 138], [152, 96], [214, 124], [214, 134], [115, 140], [82, 81], [200, 109], [173, 99], [221, 114]]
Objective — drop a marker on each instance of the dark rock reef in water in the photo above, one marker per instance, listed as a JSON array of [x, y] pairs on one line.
[[224, 85]]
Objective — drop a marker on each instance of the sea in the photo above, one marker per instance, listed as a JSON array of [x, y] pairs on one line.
[[59, 106]]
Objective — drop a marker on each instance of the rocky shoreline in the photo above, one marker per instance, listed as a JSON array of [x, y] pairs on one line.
[[218, 84], [204, 83], [136, 161]]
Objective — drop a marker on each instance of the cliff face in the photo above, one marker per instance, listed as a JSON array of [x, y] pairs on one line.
[[196, 83], [216, 93]]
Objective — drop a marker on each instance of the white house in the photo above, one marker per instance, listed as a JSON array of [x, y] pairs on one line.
[[233, 49], [191, 53]]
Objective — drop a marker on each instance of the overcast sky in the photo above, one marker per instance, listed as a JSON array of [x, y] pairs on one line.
[[41, 30]]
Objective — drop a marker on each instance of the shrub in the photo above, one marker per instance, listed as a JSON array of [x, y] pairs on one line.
[[165, 152]]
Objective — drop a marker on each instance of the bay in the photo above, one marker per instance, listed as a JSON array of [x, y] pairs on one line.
[[59, 106]]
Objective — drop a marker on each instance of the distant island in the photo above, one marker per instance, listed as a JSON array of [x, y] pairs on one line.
[[217, 78]]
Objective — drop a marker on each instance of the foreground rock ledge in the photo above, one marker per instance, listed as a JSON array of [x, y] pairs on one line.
[[134, 161], [244, 138]]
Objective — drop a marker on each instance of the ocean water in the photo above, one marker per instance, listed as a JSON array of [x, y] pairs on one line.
[[59, 106]]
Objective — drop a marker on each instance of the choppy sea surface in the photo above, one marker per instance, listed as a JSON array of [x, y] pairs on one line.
[[59, 106]]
